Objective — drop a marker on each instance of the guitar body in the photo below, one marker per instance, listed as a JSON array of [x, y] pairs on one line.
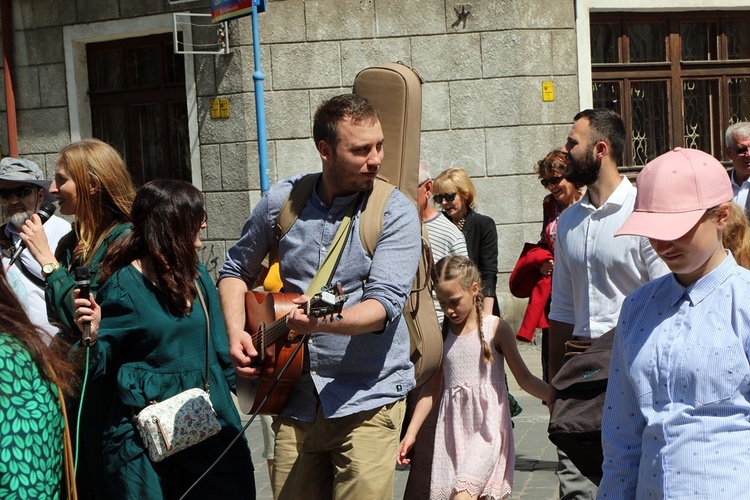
[[262, 309]]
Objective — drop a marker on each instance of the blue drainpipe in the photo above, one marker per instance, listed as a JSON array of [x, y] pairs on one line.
[[260, 105]]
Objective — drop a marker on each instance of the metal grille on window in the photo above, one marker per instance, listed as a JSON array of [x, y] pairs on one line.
[[650, 120], [647, 42], [604, 43], [739, 99], [738, 39], [701, 114], [699, 41], [607, 95]]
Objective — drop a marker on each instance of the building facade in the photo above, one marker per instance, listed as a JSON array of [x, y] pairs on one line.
[[107, 68]]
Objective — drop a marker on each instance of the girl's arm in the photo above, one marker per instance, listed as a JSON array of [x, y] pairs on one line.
[[421, 410], [505, 342], [487, 305]]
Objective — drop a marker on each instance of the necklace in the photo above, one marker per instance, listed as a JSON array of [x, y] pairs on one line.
[[460, 223]]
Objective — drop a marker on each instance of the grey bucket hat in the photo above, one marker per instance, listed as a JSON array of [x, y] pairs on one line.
[[26, 171]]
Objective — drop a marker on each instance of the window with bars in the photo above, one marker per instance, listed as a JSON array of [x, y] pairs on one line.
[[677, 79], [139, 105]]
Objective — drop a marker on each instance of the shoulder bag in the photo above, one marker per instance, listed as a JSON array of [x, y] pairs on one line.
[[183, 420]]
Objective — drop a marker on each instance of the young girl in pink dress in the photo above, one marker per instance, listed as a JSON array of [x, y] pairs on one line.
[[474, 453]]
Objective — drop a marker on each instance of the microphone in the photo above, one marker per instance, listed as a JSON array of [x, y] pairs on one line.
[[83, 283], [44, 213]]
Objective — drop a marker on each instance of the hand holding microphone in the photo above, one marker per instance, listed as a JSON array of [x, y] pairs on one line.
[[45, 212], [88, 312]]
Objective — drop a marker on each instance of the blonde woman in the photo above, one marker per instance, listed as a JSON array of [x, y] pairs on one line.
[[91, 183], [736, 236], [455, 193]]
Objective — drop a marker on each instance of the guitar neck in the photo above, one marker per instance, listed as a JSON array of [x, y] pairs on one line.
[[319, 306], [273, 332]]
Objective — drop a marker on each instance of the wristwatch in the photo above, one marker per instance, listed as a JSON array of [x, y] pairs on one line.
[[48, 269]]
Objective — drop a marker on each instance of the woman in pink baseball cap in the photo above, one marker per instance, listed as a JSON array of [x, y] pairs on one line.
[[678, 400]]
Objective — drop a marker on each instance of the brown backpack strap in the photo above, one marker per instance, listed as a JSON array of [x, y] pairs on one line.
[[371, 223], [293, 205], [290, 211]]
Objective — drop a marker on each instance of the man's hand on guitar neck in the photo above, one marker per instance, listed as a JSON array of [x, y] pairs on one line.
[[366, 317], [298, 321]]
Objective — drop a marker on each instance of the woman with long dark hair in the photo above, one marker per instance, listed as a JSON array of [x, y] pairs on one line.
[[31, 418], [152, 331]]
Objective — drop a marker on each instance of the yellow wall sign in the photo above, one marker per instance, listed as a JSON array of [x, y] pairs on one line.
[[548, 91], [220, 108]]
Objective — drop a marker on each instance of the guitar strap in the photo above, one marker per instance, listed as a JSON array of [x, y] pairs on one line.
[[325, 273]]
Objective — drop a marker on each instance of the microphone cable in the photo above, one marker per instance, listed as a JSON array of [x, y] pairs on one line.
[[80, 408], [83, 284]]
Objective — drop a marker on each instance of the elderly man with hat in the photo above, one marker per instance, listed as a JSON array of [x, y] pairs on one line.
[[22, 191]]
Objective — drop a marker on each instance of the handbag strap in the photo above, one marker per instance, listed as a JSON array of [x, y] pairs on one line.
[[207, 382], [69, 465], [69, 473], [325, 273]]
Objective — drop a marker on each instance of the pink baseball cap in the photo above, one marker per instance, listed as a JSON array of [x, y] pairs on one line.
[[674, 191]]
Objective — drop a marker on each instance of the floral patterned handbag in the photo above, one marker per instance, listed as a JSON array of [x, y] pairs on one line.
[[181, 421]]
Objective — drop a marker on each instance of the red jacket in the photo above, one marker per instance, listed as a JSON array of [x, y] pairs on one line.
[[526, 281]]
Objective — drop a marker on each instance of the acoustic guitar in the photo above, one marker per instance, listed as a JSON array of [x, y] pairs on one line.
[[266, 315]]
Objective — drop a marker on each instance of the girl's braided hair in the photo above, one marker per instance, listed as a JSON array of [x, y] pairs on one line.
[[466, 273]]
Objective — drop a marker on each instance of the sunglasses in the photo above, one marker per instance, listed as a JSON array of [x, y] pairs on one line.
[[449, 197], [740, 151], [552, 181], [19, 192]]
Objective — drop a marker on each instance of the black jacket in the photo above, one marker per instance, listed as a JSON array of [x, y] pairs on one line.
[[481, 242]]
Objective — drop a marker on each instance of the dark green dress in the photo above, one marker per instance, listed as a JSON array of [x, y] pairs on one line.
[[146, 352], [31, 427], [61, 282]]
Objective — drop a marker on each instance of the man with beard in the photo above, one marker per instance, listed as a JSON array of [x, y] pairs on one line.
[[338, 433], [22, 191], [737, 140], [593, 272]]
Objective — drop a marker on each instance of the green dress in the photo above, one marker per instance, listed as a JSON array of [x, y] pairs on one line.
[[31, 427], [147, 351], [61, 282]]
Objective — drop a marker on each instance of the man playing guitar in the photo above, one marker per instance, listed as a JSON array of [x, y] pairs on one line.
[[338, 433]]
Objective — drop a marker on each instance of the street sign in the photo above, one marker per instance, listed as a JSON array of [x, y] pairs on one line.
[[224, 10]]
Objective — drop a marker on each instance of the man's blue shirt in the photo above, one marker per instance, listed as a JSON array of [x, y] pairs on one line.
[[350, 374]]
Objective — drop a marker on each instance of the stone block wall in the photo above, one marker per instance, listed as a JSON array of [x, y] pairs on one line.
[[482, 97], [483, 64]]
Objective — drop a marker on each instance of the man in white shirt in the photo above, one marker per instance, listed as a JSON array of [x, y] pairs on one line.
[[22, 191], [593, 272], [737, 140]]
